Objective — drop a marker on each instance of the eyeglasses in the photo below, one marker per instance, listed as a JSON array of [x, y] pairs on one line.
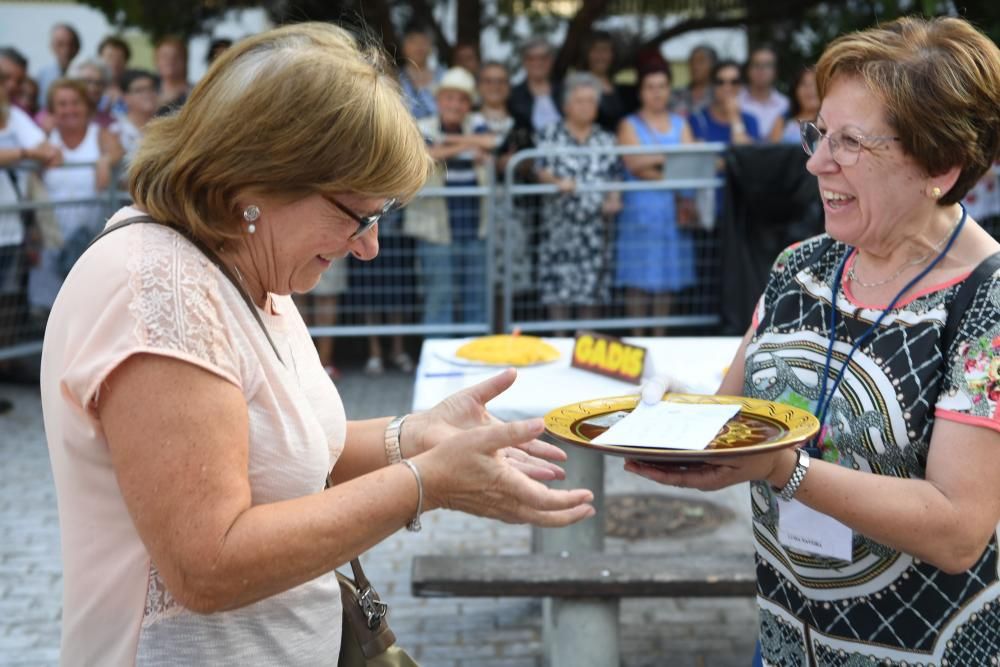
[[727, 82], [844, 147], [366, 222]]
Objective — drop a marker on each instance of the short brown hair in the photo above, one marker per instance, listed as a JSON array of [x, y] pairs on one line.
[[939, 80], [303, 109], [77, 86]]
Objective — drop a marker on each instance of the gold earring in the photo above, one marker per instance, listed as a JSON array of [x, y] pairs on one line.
[[936, 192]]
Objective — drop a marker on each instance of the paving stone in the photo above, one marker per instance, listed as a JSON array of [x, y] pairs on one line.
[[502, 632]]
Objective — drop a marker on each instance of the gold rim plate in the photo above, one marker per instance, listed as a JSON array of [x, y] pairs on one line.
[[760, 426]]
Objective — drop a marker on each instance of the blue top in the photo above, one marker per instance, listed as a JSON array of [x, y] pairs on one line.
[[706, 128]]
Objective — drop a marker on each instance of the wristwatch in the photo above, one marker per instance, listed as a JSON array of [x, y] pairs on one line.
[[787, 492], [392, 431]]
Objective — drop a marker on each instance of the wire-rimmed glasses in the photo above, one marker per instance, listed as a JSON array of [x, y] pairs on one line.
[[845, 147]]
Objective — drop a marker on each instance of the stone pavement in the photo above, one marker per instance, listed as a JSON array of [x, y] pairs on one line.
[[445, 632]]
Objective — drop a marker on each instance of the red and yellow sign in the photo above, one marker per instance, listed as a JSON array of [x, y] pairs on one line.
[[609, 356]]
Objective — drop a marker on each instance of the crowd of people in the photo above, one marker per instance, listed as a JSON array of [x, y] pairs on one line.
[[580, 249]]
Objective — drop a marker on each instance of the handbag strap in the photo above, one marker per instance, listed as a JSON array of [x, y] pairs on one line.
[[359, 572]]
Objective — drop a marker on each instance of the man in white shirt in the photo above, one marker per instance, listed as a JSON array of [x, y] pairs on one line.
[[759, 98]]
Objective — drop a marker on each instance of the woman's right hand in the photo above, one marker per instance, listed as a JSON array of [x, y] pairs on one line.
[[471, 472]]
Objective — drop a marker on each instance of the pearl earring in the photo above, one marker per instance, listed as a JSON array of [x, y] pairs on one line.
[[936, 192], [251, 214]]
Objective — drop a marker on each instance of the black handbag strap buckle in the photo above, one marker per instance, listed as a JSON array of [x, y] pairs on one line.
[[372, 607]]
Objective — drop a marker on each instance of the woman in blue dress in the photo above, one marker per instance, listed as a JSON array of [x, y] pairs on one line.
[[655, 256]]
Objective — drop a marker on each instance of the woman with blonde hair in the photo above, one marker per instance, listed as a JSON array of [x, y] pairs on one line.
[[190, 423], [877, 541]]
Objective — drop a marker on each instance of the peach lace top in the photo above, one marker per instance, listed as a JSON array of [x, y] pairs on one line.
[[145, 289]]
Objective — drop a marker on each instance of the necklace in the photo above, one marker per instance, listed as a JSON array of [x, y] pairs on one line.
[[913, 262]]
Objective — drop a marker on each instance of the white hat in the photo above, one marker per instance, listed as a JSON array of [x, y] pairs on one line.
[[457, 78]]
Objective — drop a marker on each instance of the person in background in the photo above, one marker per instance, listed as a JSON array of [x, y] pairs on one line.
[[115, 53], [723, 120], [417, 77], [171, 59], [319, 309], [93, 74], [20, 140], [81, 141], [13, 72], [466, 56], [494, 89], [64, 42], [804, 106], [216, 48], [27, 97], [877, 540], [189, 454], [654, 256], [139, 87], [574, 253], [599, 60], [759, 98], [385, 292], [535, 103], [450, 231], [697, 94]]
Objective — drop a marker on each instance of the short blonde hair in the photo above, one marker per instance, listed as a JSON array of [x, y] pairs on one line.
[[300, 110], [939, 81]]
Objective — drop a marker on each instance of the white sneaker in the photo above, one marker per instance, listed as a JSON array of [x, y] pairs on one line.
[[403, 362], [374, 366]]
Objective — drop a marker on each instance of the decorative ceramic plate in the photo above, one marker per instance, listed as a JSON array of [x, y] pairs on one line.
[[760, 426]]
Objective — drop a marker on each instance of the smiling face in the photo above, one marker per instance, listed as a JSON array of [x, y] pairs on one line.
[[69, 110], [873, 200], [295, 242], [453, 106]]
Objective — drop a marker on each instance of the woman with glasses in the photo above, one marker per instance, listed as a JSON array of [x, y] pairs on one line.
[[877, 541], [190, 423]]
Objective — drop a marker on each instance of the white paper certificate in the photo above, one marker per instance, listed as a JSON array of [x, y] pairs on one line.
[[669, 425]]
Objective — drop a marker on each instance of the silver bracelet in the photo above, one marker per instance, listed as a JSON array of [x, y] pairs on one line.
[[414, 523], [787, 492], [392, 434]]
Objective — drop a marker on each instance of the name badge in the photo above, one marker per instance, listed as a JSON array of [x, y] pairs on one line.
[[608, 356], [804, 529]]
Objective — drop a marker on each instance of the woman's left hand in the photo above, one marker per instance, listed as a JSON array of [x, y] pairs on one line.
[[466, 410], [725, 472]]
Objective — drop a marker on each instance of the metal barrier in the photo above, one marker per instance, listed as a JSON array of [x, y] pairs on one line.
[[639, 269], [652, 264]]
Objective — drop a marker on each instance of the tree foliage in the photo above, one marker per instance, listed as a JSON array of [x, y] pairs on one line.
[[798, 29]]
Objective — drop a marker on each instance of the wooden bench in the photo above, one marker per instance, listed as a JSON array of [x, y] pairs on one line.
[[582, 592], [589, 575]]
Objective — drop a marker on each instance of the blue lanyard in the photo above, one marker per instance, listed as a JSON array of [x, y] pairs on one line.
[[826, 398]]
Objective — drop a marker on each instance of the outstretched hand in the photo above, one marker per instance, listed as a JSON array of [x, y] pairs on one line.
[[466, 410], [477, 471]]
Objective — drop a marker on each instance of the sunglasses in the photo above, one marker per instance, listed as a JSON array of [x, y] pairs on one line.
[[366, 222]]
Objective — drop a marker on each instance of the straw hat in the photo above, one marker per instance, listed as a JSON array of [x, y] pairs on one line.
[[458, 79]]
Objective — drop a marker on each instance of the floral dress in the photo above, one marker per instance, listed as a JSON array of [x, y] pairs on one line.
[[575, 252], [885, 607]]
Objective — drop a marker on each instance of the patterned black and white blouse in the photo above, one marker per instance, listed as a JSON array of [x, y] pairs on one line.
[[574, 256], [885, 607]]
